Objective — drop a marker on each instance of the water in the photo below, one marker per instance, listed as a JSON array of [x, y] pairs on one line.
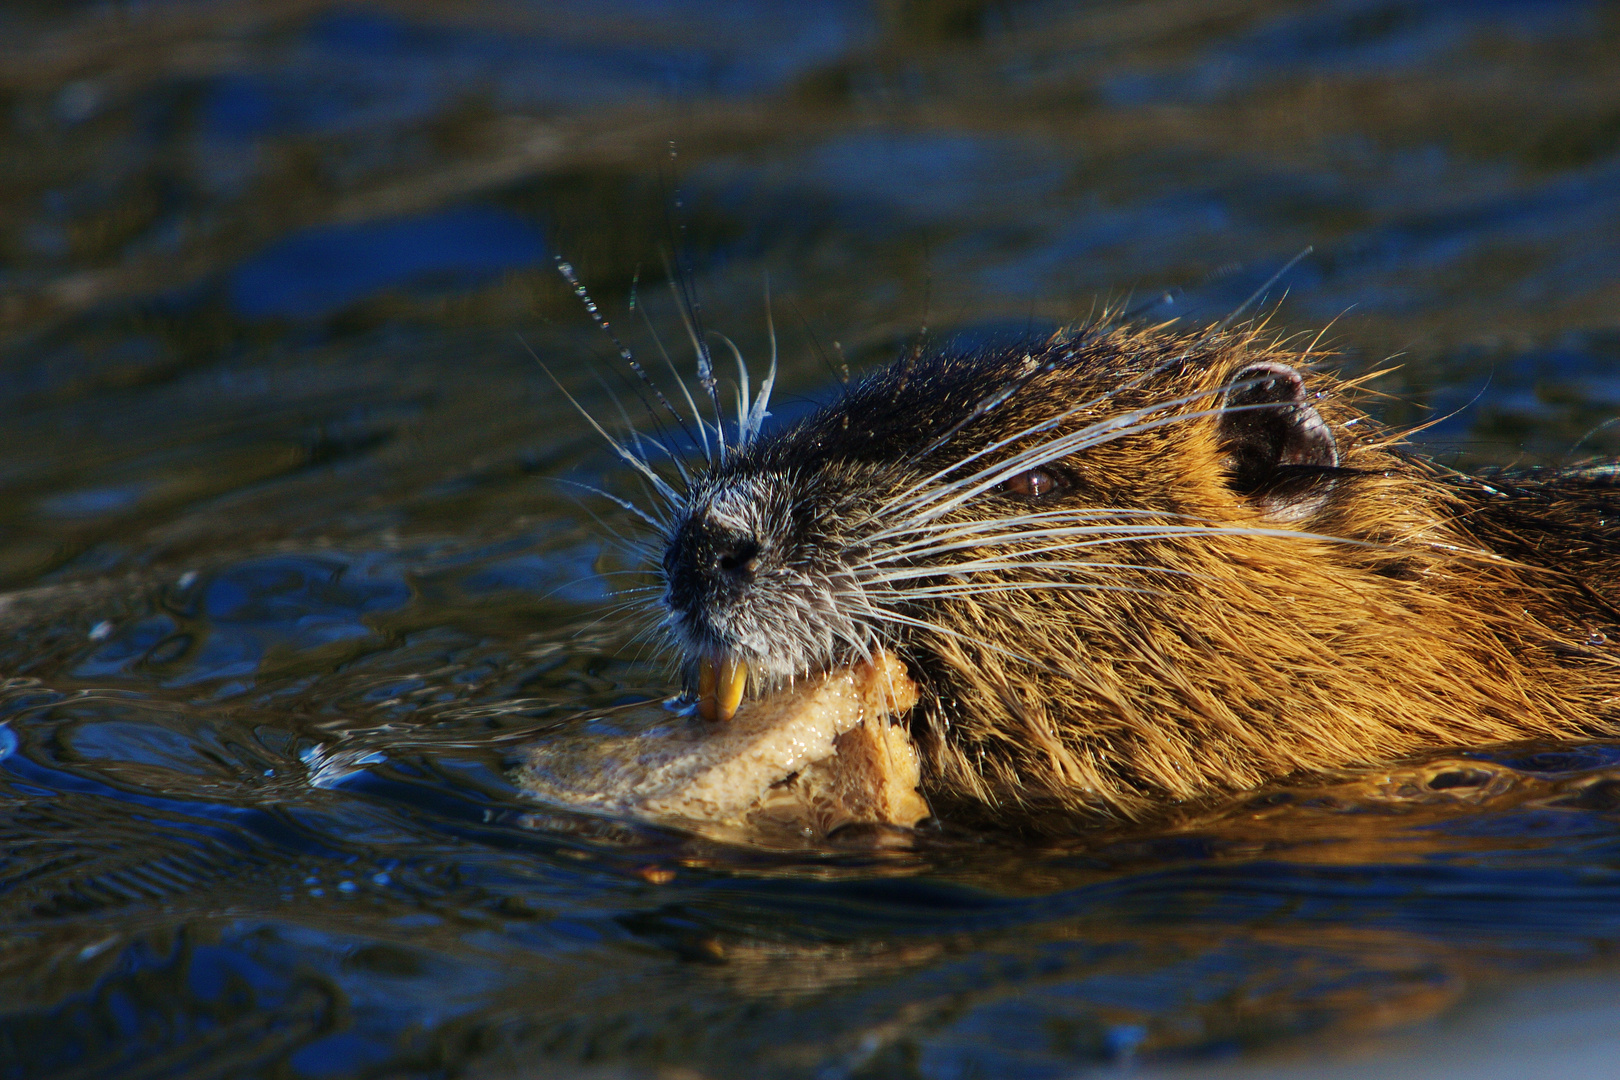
[[287, 585]]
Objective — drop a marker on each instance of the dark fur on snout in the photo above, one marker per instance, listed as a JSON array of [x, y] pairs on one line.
[[1130, 568]]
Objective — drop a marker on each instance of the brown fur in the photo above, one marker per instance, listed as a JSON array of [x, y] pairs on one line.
[[1273, 655], [1403, 608]]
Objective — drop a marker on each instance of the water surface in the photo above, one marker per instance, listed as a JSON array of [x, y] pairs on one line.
[[287, 579]]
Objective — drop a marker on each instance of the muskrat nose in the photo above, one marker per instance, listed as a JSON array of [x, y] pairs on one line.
[[736, 559], [709, 566]]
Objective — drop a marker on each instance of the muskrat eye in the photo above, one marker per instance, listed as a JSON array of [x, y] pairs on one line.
[[1035, 484]]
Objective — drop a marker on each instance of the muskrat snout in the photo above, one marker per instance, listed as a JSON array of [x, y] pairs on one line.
[[757, 591], [712, 572], [707, 562]]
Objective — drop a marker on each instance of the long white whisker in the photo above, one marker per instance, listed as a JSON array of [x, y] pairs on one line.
[[697, 416], [625, 354], [757, 412], [900, 500], [1074, 441], [991, 587], [934, 628], [742, 388], [634, 590], [658, 482], [607, 614], [1114, 427], [705, 363], [1129, 533], [1272, 280], [969, 541], [639, 440], [930, 531], [1063, 446], [978, 566], [1075, 345], [623, 504]]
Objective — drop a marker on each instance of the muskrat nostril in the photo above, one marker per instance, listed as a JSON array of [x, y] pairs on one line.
[[738, 559]]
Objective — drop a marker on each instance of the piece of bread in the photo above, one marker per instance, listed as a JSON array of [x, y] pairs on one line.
[[820, 754]]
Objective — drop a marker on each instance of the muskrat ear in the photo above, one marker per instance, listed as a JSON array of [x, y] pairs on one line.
[[1279, 450]]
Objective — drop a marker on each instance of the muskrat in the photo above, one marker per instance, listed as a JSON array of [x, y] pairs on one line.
[[1133, 567]]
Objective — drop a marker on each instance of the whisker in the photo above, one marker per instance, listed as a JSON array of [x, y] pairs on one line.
[[1128, 533], [639, 590], [1075, 442], [623, 504], [972, 639], [1261, 291], [697, 416], [742, 387], [757, 411], [567, 271], [658, 482], [611, 594], [687, 306], [946, 529], [989, 566], [1124, 420], [1074, 347], [987, 588], [606, 615]]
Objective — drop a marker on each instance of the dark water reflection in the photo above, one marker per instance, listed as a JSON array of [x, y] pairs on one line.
[[285, 585]]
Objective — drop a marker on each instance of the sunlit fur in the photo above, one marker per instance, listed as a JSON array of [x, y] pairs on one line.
[[1149, 634]]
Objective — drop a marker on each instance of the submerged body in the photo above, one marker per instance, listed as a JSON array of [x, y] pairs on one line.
[[1128, 569]]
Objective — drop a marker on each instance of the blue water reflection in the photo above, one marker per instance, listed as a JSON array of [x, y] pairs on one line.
[[283, 604], [356, 70], [323, 270], [1357, 37], [96, 502]]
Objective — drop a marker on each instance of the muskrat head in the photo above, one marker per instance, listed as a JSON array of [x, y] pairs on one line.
[[943, 482], [1124, 568]]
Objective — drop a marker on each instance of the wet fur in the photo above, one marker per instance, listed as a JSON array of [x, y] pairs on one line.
[[1211, 634]]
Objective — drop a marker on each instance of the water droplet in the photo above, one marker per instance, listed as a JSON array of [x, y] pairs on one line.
[[97, 948]]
